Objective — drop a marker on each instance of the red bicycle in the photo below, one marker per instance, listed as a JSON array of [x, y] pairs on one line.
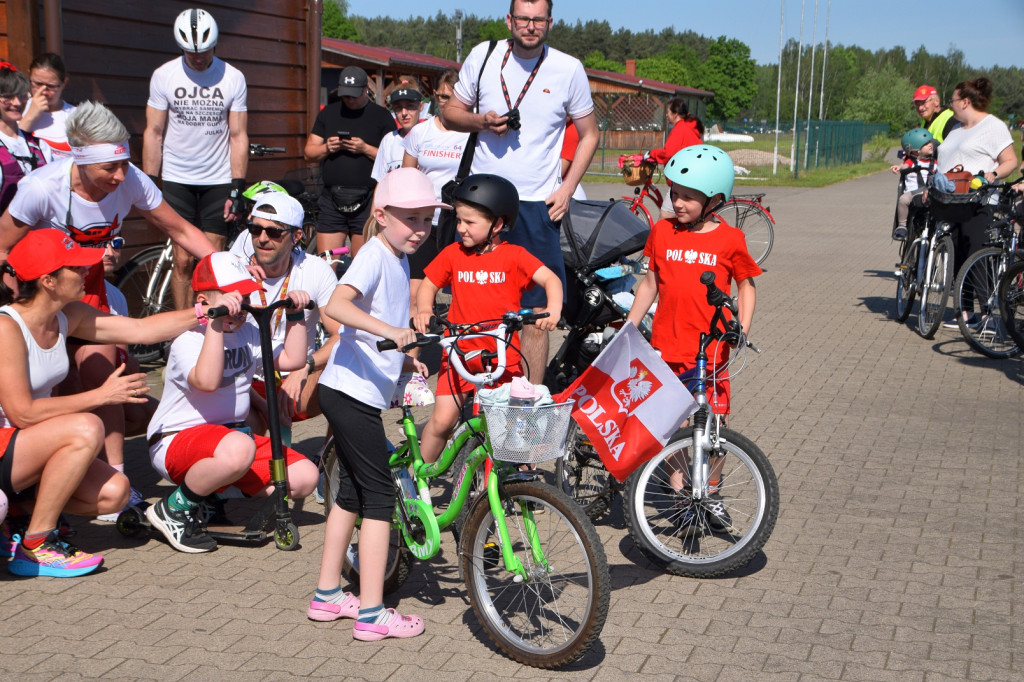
[[744, 211]]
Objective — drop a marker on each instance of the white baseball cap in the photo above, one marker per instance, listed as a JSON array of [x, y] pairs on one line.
[[287, 208]]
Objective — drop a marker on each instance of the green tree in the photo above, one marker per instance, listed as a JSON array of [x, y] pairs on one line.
[[597, 60], [729, 72], [494, 30], [335, 22], [881, 97], [662, 69]]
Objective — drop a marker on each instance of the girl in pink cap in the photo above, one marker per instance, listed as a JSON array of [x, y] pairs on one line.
[[371, 301]]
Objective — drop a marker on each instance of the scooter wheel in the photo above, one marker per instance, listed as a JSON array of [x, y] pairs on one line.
[[130, 522], [287, 538]]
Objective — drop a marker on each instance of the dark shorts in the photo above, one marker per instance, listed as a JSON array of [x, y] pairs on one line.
[[365, 486], [333, 221], [201, 205], [535, 232], [7, 461]]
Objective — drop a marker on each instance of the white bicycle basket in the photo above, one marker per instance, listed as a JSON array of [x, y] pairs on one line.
[[527, 435]]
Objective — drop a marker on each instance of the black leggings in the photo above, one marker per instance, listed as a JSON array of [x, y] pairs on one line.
[[366, 487], [968, 238]]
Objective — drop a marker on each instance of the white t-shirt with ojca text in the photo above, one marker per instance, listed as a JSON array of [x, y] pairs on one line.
[[528, 157], [43, 195], [182, 406], [196, 149], [356, 367]]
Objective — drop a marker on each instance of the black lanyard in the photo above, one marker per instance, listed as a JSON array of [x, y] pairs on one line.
[[529, 80]]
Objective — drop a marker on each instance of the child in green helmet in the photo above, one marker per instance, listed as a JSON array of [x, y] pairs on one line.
[[919, 149], [679, 251]]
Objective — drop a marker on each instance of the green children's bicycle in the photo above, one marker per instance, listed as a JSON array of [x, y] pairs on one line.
[[534, 566]]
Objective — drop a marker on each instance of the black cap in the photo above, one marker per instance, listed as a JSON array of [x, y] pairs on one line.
[[405, 92], [352, 82]]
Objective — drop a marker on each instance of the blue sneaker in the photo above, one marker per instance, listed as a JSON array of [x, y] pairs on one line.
[[55, 558]]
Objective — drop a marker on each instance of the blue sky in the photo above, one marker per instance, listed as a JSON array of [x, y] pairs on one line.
[[987, 31]]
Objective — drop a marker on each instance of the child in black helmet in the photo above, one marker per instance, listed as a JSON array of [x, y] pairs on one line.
[[488, 278]]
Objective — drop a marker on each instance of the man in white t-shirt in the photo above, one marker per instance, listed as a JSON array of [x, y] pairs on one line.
[[539, 86], [274, 235], [196, 137]]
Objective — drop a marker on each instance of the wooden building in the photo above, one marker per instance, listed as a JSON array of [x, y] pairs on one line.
[[111, 49]]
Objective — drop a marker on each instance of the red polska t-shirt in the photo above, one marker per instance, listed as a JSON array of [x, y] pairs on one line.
[[484, 286], [680, 257]]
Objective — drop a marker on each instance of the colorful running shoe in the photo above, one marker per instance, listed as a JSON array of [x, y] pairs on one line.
[[55, 558], [12, 529]]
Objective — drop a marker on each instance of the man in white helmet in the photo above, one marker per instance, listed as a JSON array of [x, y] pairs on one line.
[[196, 138]]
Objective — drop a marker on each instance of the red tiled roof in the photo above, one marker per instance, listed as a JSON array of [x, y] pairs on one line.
[[389, 56]]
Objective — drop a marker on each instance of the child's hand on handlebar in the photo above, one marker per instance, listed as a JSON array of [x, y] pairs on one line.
[[232, 300], [548, 323], [401, 337], [300, 299], [421, 322]]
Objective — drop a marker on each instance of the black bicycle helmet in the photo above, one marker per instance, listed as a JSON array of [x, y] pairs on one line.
[[493, 192]]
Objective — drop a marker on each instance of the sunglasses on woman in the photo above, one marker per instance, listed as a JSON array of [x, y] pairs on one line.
[[272, 232]]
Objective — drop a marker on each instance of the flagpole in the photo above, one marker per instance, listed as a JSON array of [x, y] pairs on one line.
[[778, 92]]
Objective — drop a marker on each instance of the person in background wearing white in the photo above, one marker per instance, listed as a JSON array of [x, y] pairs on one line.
[[46, 113]]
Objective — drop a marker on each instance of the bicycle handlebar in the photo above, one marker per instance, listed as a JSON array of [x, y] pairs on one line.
[[221, 311], [719, 299], [256, 149]]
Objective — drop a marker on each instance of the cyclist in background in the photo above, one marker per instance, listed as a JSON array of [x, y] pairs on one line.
[[938, 120], [196, 138], [47, 113]]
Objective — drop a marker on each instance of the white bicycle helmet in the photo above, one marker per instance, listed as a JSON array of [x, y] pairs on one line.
[[195, 30]]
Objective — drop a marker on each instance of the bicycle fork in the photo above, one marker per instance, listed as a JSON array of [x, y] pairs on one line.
[[512, 562]]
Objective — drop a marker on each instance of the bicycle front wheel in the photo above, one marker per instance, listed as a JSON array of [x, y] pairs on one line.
[[711, 536], [582, 475], [977, 297], [938, 281], [756, 224], [400, 559], [906, 284], [145, 282], [554, 615], [1011, 301]]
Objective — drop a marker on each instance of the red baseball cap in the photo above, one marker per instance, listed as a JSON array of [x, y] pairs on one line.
[[924, 92], [47, 250], [223, 271]]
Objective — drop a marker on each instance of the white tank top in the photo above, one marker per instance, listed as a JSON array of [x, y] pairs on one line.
[[47, 367]]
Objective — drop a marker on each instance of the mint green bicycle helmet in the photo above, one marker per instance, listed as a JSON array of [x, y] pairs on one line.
[[914, 139], [704, 168], [258, 188]]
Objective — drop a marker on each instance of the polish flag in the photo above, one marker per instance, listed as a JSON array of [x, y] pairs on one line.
[[628, 403]]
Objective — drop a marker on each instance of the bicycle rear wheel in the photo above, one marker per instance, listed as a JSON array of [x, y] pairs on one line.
[[400, 559], [1011, 301], [654, 509], [754, 221], [978, 282], [906, 284], [553, 616], [147, 269], [936, 286], [582, 476]]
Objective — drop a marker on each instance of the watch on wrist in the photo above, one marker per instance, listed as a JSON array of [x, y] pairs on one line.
[[310, 364]]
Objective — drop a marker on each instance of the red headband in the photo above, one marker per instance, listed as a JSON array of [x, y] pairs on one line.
[[8, 65]]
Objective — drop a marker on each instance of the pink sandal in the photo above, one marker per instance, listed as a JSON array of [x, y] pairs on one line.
[[399, 626], [328, 611]]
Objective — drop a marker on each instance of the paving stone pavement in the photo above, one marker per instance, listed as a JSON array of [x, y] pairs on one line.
[[896, 553]]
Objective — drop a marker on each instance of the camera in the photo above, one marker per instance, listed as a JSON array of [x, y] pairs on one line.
[[513, 121]]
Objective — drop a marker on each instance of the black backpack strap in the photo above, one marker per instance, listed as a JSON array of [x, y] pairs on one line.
[[470, 151]]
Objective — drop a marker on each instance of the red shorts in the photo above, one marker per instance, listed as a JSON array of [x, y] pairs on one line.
[[717, 391], [6, 434], [261, 388], [199, 442], [450, 382]]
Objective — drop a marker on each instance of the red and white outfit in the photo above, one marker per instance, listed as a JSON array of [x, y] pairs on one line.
[[679, 257], [51, 127], [193, 420], [45, 199], [484, 287]]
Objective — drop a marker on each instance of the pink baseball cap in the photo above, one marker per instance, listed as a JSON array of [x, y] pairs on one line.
[[223, 271], [406, 188], [924, 92]]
